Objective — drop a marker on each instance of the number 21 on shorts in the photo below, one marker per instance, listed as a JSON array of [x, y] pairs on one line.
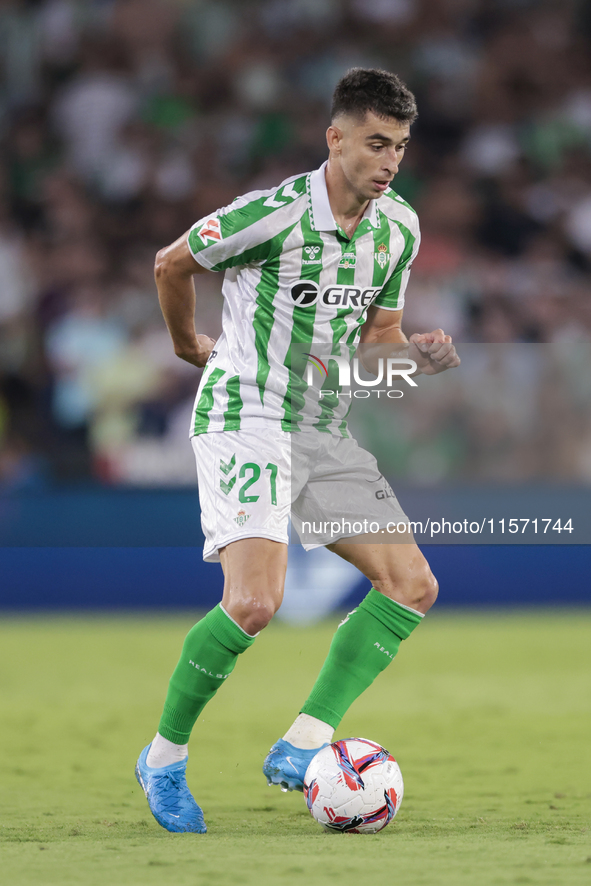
[[250, 472]]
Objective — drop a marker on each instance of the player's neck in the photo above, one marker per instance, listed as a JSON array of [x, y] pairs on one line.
[[347, 206]]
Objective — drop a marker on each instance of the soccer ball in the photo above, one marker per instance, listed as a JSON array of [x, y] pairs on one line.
[[353, 786]]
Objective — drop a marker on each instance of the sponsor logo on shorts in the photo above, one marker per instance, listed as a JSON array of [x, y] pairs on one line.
[[386, 492], [226, 467], [210, 230], [306, 293], [241, 518]]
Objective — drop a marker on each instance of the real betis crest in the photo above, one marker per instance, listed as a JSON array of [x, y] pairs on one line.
[[347, 260], [382, 256], [241, 518]]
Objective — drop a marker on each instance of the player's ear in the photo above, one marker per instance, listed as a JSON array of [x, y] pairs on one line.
[[334, 137]]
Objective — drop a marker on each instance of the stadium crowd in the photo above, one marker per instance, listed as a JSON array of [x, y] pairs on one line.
[[124, 121]]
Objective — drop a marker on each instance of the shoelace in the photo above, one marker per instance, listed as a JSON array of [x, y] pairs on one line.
[[173, 792]]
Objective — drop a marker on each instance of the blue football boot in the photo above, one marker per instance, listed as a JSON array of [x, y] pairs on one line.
[[170, 800], [286, 766]]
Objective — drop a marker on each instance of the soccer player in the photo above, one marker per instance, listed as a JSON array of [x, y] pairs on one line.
[[324, 258]]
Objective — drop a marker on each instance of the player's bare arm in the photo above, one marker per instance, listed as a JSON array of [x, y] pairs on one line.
[[173, 271], [433, 352]]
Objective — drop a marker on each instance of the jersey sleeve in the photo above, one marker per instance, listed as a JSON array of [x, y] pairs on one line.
[[391, 298], [248, 230]]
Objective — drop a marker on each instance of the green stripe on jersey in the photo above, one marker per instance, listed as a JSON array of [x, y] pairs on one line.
[[264, 314], [339, 325], [390, 294], [396, 198], [381, 246], [231, 226], [235, 404], [205, 403], [302, 332], [381, 238], [245, 214]]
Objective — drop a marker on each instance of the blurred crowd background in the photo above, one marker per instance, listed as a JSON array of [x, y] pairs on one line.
[[122, 122]]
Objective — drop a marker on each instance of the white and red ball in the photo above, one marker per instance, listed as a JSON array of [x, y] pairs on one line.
[[353, 786]]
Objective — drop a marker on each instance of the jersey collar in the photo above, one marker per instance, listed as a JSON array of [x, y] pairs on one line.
[[322, 217]]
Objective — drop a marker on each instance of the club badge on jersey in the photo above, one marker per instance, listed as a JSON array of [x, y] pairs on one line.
[[382, 256]]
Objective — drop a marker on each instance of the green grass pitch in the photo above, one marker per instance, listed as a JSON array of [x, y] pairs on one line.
[[489, 716]]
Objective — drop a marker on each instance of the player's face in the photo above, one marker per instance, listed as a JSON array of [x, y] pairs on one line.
[[369, 151]]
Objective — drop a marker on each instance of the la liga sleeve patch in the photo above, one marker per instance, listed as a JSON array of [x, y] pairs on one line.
[[210, 231]]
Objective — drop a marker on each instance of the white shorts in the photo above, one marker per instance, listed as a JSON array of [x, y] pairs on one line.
[[252, 482]]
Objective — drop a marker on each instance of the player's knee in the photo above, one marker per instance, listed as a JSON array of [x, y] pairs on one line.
[[422, 588], [252, 613], [426, 589], [418, 588]]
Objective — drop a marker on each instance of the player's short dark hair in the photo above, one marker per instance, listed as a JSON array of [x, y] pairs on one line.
[[369, 89]]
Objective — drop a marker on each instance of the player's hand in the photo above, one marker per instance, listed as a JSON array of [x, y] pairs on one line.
[[197, 352], [433, 352]]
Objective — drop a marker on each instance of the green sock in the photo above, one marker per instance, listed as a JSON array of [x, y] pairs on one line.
[[364, 644], [209, 654]]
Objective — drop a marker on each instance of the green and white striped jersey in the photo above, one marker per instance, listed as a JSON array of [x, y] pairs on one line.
[[293, 278]]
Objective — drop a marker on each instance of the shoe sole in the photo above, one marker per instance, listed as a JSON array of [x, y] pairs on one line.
[[139, 778], [285, 786], [282, 781]]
